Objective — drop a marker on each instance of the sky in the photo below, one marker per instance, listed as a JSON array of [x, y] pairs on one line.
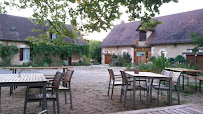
[[165, 9]]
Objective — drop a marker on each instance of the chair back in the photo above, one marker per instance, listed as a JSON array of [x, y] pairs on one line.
[[166, 72], [57, 79], [68, 75], [175, 77], [124, 78], [111, 74]]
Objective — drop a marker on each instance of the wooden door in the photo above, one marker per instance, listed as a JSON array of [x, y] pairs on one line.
[[107, 59], [195, 61], [200, 61]]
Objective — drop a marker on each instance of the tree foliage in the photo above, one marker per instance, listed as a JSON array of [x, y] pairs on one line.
[[48, 54], [197, 40], [95, 50], [7, 53], [86, 15]]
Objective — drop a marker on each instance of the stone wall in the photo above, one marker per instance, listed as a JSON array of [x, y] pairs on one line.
[[117, 51], [171, 50]]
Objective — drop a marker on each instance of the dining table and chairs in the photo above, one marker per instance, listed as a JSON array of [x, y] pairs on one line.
[[130, 83], [24, 79], [41, 82], [149, 76]]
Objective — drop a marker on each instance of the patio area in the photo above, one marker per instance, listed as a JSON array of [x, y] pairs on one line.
[[89, 89]]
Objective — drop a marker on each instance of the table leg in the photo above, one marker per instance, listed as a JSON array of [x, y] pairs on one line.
[[134, 80], [0, 100], [170, 91], [44, 97], [183, 81], [148, 89]]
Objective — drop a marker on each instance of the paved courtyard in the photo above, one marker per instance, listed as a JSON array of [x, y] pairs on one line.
[[89, 87]]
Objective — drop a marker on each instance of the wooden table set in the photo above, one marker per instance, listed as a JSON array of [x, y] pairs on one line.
[[148, 76], [26, 79]]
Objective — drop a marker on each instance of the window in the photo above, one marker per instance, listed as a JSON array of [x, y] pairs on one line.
[[24, 54], [53, 36], [163, 53]]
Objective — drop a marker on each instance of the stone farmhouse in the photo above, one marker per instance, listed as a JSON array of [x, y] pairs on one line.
[[15, 30], [169, 39]]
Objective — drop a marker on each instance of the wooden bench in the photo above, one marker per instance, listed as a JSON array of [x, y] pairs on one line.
[[196, 78]]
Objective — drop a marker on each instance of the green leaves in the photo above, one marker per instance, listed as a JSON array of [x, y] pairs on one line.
[[197, 40], [87, 15], [7, 53]]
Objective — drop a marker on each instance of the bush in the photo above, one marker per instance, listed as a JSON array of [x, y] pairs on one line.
[[144, 67], [120, 60], [180, 59], [159, 63]]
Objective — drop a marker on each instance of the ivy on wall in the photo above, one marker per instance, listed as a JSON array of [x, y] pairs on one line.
[[7, 53], [45, 55]]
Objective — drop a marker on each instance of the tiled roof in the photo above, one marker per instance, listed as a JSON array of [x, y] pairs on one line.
[[22, 27], [175, 28]]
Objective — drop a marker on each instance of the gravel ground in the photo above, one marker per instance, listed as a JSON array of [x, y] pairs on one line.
[[89, 89]]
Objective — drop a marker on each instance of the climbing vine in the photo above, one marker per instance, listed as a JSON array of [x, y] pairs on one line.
[[7, 53], [43, 54]]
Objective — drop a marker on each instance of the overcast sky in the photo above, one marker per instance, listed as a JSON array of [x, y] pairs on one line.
[[166, 9]]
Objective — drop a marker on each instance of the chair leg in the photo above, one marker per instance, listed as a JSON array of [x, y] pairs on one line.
[[125, 94], [121, 94], [112, 91], [158, 98], [71, 105], [109, 86], [178, 94], [57, 100], [65, 96], [54, 107]]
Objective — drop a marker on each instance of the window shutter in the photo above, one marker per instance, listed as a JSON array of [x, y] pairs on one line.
[[21, 54]]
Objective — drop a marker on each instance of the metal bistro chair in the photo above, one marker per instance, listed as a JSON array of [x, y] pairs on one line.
[[113, 81], [127, 87], [164, 72], [67, 83], [53, 96], [175, 81]]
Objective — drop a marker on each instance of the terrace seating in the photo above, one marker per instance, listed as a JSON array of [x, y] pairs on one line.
[[53, 96], [67, 83], [127, 87], [113, 80], [175, 79], [164, 72]]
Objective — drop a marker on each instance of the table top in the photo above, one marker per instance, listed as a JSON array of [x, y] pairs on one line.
[[184, 70], [147, 74], [24, 77], [62, 67]]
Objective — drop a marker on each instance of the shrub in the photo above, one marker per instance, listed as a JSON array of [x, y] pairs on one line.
[[7, 53], [159, 63], [180, 59], [118, 60], [143, 66], [128, 67]]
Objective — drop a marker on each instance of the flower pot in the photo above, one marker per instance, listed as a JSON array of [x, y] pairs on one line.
[[136, 71]]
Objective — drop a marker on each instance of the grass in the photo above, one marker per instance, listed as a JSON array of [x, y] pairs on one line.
[[189, 89]]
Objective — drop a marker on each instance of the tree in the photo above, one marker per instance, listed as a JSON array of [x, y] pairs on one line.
[[2, 8], [85, 15], [95, 50], [197, 40]]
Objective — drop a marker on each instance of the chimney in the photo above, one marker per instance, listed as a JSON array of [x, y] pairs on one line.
[[122, 21]]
